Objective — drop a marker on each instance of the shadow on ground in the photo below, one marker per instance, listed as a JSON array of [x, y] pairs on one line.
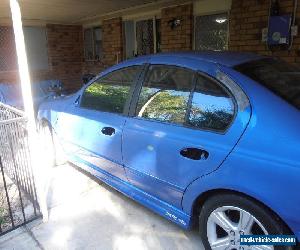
[[85, 213]]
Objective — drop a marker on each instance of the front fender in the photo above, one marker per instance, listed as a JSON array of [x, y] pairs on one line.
[[47, 112], [50, 109]]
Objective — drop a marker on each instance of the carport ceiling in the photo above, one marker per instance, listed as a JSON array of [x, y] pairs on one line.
[[67, 11]]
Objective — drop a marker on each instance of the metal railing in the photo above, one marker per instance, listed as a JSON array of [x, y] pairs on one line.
[[18, 198]]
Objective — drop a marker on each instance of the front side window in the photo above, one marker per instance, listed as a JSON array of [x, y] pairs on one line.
[[111, 92], [212, 106], [165, 94], [276, 75]]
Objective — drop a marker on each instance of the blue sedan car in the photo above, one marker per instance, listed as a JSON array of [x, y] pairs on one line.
[[208, 140]]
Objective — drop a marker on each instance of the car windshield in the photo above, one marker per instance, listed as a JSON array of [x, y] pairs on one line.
[[278, 76]]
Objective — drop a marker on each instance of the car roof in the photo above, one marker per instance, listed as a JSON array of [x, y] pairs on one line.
[[225, 58]]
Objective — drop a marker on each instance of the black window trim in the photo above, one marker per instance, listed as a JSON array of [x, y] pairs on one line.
[[142, 79], [125, 112]]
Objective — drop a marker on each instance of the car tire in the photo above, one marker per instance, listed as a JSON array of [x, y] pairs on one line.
[[231, 208]]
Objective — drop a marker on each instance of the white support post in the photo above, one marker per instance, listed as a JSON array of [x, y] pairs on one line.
[[28, 103]]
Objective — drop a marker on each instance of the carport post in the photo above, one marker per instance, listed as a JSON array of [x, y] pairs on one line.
[[28, 103]]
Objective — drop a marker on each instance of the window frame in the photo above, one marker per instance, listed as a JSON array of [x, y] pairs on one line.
[[196, 74], [130, 94]]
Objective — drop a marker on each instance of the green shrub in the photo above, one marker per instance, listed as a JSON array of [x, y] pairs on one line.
[[1, 215]]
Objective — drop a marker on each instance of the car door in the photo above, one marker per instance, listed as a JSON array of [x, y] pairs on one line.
[[96, 122], [183, 125]]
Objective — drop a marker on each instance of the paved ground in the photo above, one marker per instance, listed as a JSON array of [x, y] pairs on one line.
[[85, 214]]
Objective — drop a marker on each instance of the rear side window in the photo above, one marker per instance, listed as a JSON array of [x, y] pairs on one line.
[[278, 76], [165, 94], [212, 106], [110, 93]]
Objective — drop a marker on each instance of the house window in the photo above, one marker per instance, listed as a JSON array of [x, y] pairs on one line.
[[142, 37], [93, 44], [211, 32]]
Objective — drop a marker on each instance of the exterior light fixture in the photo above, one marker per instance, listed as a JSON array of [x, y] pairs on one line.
[[175, 22], [221, 20]]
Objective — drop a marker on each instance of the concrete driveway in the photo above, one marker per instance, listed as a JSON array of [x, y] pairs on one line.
[[87, 214]]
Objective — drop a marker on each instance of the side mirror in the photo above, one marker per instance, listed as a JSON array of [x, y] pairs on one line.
[[77, 101], [87, 77], [56, 90]]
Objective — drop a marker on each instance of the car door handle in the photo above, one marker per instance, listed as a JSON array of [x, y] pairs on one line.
[[194, 154], [108, 131]]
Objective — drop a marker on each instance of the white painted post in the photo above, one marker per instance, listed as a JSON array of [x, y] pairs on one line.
[[28, 103]]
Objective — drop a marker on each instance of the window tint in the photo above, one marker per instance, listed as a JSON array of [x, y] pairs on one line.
[[110, 93], [165, 94], [212, 107], [276, 75]]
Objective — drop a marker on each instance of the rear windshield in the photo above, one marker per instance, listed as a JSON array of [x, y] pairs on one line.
[[278, 76]]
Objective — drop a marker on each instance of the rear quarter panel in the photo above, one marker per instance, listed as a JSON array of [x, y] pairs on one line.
[[265, 164]]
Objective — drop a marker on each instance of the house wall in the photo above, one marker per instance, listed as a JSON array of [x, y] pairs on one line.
[[248, 18], [8, 60], [112, 33], [112, 41], [179, 38], [65, 54], [65, 42], [92, 67]]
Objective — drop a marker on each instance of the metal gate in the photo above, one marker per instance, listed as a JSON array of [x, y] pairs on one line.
[[18, 199]]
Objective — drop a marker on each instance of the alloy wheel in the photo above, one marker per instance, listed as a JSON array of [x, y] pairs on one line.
[[226, 224]]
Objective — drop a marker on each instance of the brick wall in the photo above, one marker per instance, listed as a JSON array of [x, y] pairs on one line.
[[248, 18], [92, 67], [8, 60], [112, 41], [65, 52], [179, 38]]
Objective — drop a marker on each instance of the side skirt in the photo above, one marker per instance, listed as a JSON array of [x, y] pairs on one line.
[[162, 208]]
